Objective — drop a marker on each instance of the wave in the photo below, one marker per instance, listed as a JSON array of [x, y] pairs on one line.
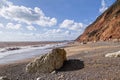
[[17, 50]]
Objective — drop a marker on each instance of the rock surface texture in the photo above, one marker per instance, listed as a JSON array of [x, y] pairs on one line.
[[106, 26], [48, 62]]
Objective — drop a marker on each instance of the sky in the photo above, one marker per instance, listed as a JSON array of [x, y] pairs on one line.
[[47, 20]]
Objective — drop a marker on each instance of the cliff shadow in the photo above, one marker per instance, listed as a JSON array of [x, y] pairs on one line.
[[72, 65]]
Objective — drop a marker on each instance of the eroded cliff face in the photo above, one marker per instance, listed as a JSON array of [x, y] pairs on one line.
[[106, 26]]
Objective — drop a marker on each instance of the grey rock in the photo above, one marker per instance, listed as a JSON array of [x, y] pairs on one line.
[[40, 78], [48, 62], [54, 72], [114, 54], [4, 78]]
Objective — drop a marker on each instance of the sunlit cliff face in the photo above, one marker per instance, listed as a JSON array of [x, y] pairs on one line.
[[106, 26]]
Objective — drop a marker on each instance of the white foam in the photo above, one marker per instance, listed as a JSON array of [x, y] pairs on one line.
[[25, 49]]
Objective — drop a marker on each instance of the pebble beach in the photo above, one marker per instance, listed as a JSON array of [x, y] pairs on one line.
[[84, 62]]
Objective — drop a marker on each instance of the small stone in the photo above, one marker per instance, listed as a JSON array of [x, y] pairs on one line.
[[4, 78], [114, 54], [61, 77], [86, 52], [40, 78], [54, 72]]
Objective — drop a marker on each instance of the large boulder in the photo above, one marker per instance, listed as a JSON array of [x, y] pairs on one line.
[[115, 54], [48, 62]]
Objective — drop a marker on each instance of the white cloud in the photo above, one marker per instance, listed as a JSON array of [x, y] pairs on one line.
[[67, 32], [4, 3], [25, 14], [31, 28], [27, 34], [56, 35], [54, 31], [71, 25], [57, 32], [1, 32], [31, 16], [103, 6], [13, 26], [1, 25]]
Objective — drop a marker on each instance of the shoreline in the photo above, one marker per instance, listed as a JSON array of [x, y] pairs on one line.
[[96, 66], [22, 44], [13, 55], [71, 49]]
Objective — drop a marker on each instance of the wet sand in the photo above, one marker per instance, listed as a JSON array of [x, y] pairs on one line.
[[85, 62]]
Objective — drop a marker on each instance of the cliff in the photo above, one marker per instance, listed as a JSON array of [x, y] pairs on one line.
[[106, 26]]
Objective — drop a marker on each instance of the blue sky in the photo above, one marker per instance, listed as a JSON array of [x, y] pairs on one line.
[[47, 20]]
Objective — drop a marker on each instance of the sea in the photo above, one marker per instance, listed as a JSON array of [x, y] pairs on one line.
[[14, 54]]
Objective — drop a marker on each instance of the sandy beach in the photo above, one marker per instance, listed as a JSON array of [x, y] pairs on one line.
[[85, 62]]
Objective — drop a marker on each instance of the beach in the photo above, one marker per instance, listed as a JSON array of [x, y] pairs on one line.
[[42, 40], [85, 62]]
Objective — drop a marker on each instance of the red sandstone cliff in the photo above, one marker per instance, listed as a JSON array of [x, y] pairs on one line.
[[106, 26]]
